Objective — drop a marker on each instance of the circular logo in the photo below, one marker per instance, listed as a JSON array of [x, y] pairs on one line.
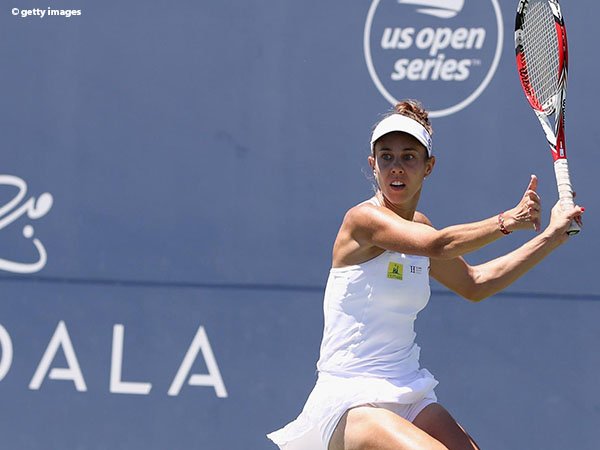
[[442, 52]]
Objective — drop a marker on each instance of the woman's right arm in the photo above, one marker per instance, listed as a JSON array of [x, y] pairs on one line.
[[380, 227]]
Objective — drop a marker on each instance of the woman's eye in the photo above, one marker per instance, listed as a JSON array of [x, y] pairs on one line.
[[386, 157]]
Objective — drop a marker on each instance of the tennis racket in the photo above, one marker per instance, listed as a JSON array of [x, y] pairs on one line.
[[542, 61]]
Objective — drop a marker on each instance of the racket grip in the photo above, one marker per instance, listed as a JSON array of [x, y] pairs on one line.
[[565, 190]]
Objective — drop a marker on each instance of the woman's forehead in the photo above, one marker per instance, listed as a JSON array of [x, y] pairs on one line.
[[398, 141]]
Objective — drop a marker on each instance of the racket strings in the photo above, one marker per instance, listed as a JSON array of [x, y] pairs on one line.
[[540, 48]]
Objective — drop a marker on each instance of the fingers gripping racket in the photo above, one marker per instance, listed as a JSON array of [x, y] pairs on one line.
[[542, 61]]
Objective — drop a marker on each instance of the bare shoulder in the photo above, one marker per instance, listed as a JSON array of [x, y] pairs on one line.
[[367, 218], [368, 229], [361, 214], [419, 217], [351, 244]]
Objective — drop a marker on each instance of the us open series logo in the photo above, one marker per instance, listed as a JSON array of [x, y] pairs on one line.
[[442, 52]]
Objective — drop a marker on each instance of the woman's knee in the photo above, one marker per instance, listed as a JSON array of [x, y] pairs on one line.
[[367, 428], [353, 431], [363, 430], [439, 423]]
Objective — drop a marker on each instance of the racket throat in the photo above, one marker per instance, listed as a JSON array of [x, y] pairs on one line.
[[560, 151]]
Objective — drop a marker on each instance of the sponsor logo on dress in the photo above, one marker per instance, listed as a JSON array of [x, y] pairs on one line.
[[395, 271], [416, 270]]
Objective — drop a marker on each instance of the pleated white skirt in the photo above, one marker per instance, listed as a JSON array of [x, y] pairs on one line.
[[333, 395]]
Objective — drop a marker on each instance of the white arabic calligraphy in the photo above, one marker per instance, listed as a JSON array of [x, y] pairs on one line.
[[34, 208]]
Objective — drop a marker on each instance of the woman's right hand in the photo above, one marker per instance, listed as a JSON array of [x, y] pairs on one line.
[[527, 213]]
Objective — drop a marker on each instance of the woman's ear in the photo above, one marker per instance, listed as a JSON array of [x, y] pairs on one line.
[[430, 163], [371, 162]]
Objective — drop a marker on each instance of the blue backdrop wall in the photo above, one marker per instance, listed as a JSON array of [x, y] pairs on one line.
[[173, 176]]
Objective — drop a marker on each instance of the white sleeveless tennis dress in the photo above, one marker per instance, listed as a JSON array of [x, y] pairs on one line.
[[368, 352]]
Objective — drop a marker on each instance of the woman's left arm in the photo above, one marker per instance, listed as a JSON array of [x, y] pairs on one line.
[[478, 282]]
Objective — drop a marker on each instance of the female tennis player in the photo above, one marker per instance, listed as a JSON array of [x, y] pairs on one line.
[[371, 392]]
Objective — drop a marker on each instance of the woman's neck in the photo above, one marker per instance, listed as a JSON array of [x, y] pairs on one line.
[[406, 211]]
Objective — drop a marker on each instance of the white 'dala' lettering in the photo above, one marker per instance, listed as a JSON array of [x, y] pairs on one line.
[[61, 340], [14, 209]]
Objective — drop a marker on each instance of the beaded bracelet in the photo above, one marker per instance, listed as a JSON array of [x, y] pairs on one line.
[[501, 224]]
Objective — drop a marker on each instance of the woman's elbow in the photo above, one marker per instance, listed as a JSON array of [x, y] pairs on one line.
[[475, 297], [475, 293], [442, 250]]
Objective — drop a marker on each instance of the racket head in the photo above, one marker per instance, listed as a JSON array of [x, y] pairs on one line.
[[542, 54]]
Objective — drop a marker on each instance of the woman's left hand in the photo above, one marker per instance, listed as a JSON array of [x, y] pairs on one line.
[[527, 213]]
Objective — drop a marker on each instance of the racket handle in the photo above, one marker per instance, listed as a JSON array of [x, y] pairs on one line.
[[565, 190]]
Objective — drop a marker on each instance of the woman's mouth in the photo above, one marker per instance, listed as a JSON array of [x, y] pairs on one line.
[[397, 185]]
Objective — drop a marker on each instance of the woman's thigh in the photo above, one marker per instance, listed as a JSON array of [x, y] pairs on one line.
[[366, 428], [438, 423]]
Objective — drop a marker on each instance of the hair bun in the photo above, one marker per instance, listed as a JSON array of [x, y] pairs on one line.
[[414, 109]]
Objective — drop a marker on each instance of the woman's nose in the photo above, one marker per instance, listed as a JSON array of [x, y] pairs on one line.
[[397, 167]]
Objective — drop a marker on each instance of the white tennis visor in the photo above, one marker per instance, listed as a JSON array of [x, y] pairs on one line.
[[398, 122]]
